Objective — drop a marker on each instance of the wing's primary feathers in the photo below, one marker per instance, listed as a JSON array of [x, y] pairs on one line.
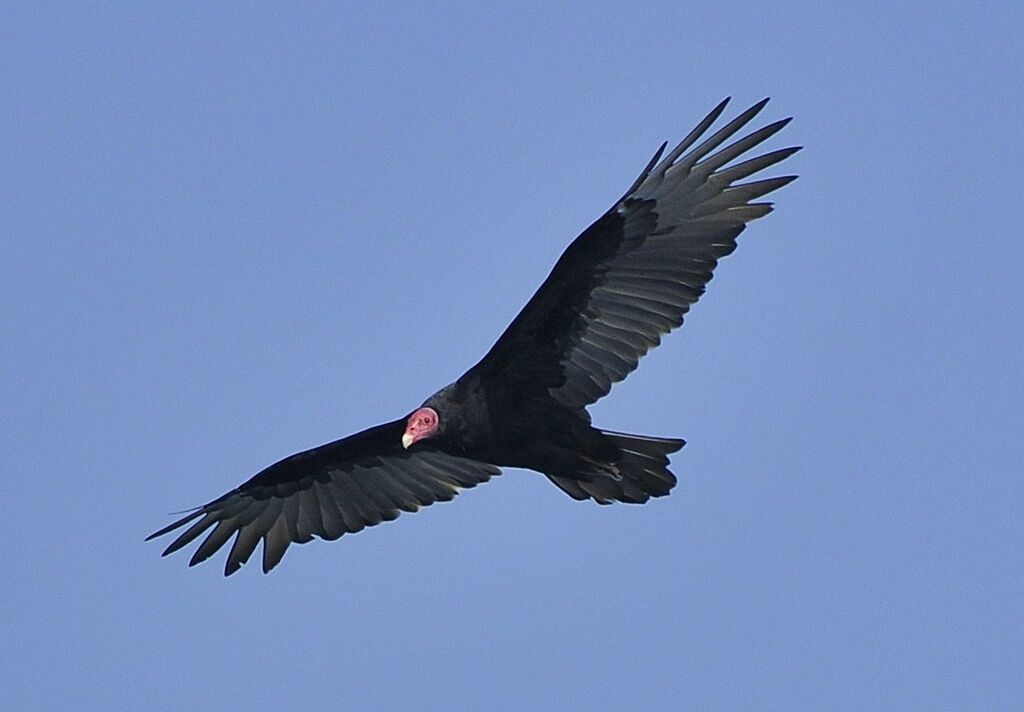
[[631, 276], [331, 490]]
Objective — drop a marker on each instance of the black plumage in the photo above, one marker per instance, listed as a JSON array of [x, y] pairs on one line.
[[626, 281]]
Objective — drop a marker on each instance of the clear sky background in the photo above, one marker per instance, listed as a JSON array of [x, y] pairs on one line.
[[230, 234]]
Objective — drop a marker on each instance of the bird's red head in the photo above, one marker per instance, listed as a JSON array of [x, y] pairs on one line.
[[422, 425]]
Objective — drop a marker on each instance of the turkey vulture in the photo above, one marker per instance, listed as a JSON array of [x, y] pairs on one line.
[[624, 282]]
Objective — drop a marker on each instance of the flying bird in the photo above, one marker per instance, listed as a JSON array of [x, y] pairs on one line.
[[626, 281]]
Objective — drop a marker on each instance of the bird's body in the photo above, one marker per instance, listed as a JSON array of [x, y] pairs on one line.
[[620, 286], [489, 423]]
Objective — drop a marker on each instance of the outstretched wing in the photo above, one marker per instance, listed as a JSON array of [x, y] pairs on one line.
[[325, 492], [632, 275]]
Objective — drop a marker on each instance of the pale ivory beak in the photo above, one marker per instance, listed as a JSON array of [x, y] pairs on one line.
[[407, 440]]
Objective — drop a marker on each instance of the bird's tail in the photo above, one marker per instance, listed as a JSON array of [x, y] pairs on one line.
[[641, 471]]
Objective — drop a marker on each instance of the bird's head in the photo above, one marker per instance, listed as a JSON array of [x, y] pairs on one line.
[[440, 419], [422, 424]]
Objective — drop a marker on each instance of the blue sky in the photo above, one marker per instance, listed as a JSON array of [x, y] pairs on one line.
[[230, 234]]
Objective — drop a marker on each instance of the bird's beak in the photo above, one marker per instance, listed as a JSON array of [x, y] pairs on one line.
[[408, 440]]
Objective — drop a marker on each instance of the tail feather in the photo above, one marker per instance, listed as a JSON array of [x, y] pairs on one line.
[[642, 470]]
